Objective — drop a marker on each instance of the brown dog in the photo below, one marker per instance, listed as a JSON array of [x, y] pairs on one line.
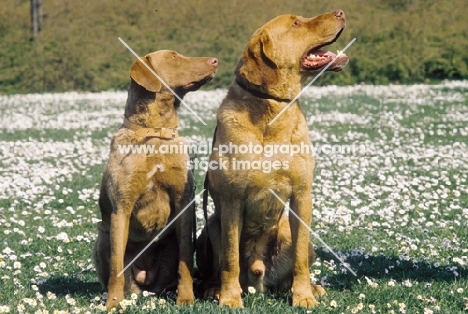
[[273, 272], [250, 241], [142, 192]]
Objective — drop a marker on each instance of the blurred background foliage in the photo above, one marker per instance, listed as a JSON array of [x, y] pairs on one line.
[[398, 41]]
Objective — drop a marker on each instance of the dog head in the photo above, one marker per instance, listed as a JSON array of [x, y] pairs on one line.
[[286, 50], [180, 73]]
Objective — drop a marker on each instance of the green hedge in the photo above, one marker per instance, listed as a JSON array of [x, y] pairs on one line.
[[398, 41]]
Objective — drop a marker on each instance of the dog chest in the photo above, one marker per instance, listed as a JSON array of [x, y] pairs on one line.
[[150, 216]]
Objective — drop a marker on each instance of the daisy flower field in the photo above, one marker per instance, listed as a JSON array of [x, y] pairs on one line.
[[390, 199]]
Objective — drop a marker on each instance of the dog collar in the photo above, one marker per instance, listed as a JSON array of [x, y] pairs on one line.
[[259, 94], [163, 133]]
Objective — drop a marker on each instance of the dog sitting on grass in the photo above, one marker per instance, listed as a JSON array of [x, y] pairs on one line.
[[141, 193]]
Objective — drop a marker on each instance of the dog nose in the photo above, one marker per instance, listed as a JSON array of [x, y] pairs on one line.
[[339, 14], [213, 61]]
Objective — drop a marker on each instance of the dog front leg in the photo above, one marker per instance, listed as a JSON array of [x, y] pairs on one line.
[[301, 204], [185, 295], [231, 228], [119, 237]]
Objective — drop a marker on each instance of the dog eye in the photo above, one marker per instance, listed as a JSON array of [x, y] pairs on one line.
[[175, 56], [297, 23]]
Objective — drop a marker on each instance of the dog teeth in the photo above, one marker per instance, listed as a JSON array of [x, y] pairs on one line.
[[315, 56]]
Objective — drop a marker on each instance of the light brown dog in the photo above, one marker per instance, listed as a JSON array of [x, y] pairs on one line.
[[249, 241], [273, 272], [142, 192]]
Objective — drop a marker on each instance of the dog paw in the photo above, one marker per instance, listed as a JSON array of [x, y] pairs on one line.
[[185, 295], [318, 291], [305, 302], [212, 293], [230, 295], [185, 301], [231, 302], [113, 300]]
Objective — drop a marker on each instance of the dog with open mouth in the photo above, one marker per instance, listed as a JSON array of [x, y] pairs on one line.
[[250, 240]]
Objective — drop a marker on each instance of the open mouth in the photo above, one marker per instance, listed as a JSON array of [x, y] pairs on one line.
[[197, 84], [315, 58]]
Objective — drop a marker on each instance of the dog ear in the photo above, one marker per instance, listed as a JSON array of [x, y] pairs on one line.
[[259, 66], [140, 74], [268, 48]]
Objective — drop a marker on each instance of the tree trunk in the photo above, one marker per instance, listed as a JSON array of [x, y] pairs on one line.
[[36, 16]]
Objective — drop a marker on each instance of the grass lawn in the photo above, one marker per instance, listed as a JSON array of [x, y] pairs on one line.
[[390, 198]]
